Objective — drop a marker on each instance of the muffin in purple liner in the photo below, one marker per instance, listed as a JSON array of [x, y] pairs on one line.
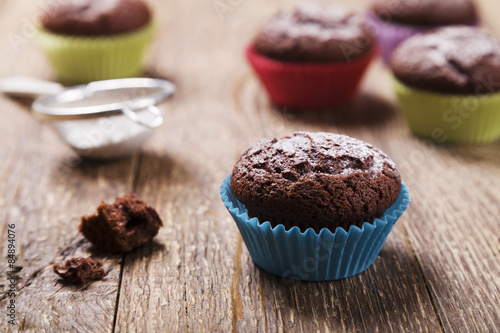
[[395, 21], [314, 206]]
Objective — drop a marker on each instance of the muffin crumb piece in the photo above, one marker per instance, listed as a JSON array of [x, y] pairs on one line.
[[122, 226], [80, 270]]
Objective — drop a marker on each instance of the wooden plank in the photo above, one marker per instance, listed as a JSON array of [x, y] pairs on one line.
[[45, 188], [45, 201], [455, 231], [203, 278]]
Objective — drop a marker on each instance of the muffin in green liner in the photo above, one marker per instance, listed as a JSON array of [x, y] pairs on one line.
[[90, 40], [448, 84]]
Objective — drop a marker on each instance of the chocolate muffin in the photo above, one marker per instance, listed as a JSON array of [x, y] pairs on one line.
[[454, 60], [315, 180], [96, 17], [314, 33], [122, 226], [426, 12]]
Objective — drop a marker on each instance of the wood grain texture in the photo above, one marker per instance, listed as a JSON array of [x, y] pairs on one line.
[[205, 277], [439, 270], [45, 188]]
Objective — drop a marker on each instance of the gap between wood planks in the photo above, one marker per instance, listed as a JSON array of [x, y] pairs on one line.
[[426, 283], [136, 167]]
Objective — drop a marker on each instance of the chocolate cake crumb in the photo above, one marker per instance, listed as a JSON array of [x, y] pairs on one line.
[[122, 226], [80, 270]]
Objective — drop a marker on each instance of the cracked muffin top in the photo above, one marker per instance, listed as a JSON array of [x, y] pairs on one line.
[[454, 60], [426, 12], [314, 32], [96, 17], [315, 180]]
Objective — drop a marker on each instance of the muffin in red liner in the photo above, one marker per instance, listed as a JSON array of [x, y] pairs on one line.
[[313, 55], [309, 85]]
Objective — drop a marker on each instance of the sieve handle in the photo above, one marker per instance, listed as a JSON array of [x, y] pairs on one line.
[[156, 122], [24, 86]]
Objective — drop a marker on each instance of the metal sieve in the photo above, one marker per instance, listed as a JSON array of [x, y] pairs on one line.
[[103, 119]]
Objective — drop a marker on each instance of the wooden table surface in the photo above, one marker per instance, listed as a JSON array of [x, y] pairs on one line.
[[438, 271]]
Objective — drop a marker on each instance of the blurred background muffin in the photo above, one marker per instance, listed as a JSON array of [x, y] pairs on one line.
[[448, 84], [313, 55], [394, 21], [88, 40]]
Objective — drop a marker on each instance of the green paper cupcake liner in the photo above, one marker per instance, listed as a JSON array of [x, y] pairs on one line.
[[447, 118], [78, 59]]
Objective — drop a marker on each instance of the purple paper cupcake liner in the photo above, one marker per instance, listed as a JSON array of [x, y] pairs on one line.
[[310, 256], [390, 35]]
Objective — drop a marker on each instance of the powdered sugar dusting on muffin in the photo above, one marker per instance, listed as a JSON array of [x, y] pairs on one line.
[[456, 59], [345, 154], [314, 32], [312, 19], [315, 179]]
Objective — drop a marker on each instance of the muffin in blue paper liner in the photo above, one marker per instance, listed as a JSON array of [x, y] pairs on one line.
[[310, 256]]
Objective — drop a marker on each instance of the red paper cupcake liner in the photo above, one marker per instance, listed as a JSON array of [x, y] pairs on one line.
[[309, 85]]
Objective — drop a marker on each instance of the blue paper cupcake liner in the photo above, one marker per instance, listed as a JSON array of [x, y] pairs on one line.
[[310, 256]]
